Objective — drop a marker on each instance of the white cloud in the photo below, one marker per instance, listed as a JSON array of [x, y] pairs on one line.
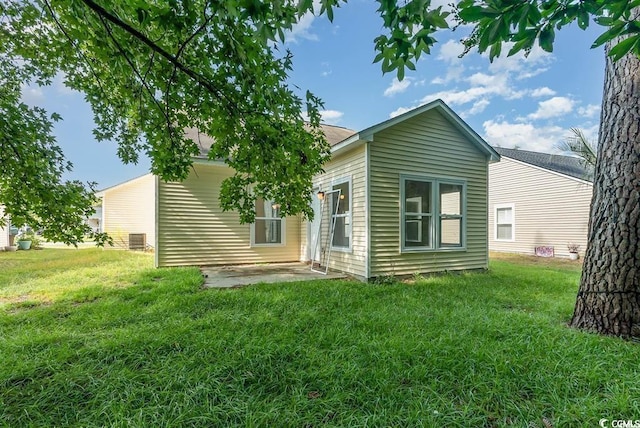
[[455, 97], [482, 87], [526, 66], [591, 110], [531, 73], [478, 107], [60, 87], [482, 79], [401, 110], [543, 92], [450, 51], [454, 73], [552, 107], [302, 29], [501, 80], [397, 86], [525, 136], [591, 132], [331, 117], [32, 95], [326, 69]]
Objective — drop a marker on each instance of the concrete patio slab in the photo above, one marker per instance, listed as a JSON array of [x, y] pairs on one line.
[[241, 275]]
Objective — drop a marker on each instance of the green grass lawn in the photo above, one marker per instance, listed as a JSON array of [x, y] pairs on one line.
[[100, 338]]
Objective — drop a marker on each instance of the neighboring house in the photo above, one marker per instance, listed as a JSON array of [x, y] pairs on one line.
[[4, 232], [538, 200], [94, 221], [413, 199], [129, 211]]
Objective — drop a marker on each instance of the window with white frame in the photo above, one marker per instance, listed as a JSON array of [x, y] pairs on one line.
[[450, 231], [432, 214], [341, 214], [268, 228], [505, 222]]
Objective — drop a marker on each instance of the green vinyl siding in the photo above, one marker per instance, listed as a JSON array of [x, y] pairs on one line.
[[426, 145], [193, 229], [348, 166]]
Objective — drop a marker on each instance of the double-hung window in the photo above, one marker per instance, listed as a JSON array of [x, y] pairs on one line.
[[505, 222], [341, 214], [268, 228], [418, 214], [450, 216], [432, 214]]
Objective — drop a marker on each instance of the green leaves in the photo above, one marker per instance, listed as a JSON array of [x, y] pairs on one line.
[[32, 190], [410, 34], [150, 71], [523, 23], [546, 38], [627, 45]]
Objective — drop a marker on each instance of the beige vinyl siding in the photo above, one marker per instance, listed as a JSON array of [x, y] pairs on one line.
[[130, 208], [193, 230], [348, 165], [304, 243], [4, 231], [425, 145], [550, 209]]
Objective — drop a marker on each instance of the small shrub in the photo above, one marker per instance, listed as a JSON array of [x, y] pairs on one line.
[[385, 279]]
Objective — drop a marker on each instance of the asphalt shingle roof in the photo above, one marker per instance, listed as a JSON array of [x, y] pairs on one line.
[[336, 134], [567, 165], [333, 134]]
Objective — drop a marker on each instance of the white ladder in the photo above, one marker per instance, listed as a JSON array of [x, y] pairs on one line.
[[321, 264]]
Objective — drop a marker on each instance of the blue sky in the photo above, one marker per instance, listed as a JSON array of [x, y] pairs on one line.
[[529, 103]]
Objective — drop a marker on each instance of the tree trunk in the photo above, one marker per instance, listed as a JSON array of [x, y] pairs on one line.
[[608, 300]]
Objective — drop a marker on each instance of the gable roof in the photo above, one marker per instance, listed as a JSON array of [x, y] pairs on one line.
[[567, 165], [339, 137], [438, 105], [100, 193]]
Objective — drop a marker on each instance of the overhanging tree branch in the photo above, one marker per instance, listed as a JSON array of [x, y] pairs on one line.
[[154, 46], [134, 69], [73, 43]]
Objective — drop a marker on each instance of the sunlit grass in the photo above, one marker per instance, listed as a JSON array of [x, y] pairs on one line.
[[146, 347], [43, 276]]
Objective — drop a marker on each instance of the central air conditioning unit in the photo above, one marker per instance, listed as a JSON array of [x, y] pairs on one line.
[[137, 241]]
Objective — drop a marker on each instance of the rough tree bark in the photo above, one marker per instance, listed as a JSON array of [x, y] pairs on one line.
[[608, 300]]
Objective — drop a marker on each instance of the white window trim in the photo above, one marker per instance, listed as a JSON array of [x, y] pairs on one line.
[[335, 182], [462, 216], [513, 222], [283, 229], [435, 214]]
